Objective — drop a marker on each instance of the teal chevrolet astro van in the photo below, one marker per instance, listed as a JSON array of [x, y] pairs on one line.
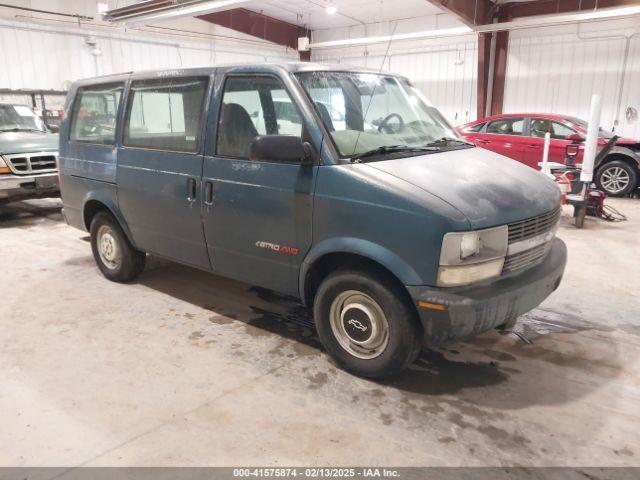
[[346, 188]]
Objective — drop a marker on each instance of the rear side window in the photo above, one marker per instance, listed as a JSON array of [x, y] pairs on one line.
[[95, 110], [506, 126], [165, 114], [540, 126], [560, 131]]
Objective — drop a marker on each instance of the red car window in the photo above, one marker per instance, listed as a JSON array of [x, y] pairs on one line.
[[539, 127], [506, 126], [474, 128]]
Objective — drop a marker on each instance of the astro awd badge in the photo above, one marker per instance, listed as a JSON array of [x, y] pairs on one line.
[[277, 248]]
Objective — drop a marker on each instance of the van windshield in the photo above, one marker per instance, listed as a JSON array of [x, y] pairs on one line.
[[377, 115], [19, 118]]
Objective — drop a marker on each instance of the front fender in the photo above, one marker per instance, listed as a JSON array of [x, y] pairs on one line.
[[358, 246], [620, 150]]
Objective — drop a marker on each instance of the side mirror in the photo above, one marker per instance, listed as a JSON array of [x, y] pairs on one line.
[[53, 128], [281, 149], [575, 138]]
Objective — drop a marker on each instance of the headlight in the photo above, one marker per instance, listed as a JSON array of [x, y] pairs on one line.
[[468, 257]]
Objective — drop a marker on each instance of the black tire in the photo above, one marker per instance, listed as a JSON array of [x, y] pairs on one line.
[[129, 262], [604, 174], [404, 338]]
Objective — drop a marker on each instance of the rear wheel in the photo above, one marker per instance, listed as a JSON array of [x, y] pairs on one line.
[[115, 256], [366, 323], [616, 178]]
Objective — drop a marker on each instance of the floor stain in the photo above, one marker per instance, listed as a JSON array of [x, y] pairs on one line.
[[435, 374], [196, 335], [446, 439], [318, 380], [386, 419], [220, 320], [377, 393], [541, 322], [502, 438], [624, 451]]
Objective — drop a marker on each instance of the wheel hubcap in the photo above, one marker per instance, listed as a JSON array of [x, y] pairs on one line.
[[359, 324], [108, 247], [615, 179]]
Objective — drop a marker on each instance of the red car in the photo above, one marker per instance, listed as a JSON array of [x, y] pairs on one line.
[[521, 136]]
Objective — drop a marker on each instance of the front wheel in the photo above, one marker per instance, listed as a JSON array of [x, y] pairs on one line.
[[115, 256], [366, 324], [616, 178]]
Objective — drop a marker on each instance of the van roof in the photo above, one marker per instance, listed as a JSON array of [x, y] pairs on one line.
[[207, 70]]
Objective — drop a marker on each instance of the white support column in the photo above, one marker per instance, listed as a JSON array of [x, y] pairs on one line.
[[545, 154], [591, 143]]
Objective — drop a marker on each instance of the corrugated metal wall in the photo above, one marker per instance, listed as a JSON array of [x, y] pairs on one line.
[[448, 76], [37, 56], [558, 73], [445, 73]]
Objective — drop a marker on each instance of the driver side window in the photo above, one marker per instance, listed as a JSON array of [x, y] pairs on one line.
[[253, 106]]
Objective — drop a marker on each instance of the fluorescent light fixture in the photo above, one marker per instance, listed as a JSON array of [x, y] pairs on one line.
[[190, 9], [445, 32], [332, 9], [549, 20]]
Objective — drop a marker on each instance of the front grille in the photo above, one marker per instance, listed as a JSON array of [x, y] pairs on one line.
[[29, 163], [532, 227], [524, 259]]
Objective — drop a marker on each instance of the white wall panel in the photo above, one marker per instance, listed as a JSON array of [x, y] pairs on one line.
[[446, 75], [42, 57], [558, 71], [445, 70], [630, 94]]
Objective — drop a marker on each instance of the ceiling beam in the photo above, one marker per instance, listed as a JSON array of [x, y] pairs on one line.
[[513, 10], [260, 26], [470, 12]]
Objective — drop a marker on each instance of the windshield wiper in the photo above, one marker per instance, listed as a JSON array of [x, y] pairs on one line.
[[446, 141], [19, 129], [391, 149]]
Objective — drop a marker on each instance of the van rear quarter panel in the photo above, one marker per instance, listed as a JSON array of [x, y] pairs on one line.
[[359, 209]]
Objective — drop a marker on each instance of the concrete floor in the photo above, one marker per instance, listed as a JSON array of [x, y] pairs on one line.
[[184, 368]]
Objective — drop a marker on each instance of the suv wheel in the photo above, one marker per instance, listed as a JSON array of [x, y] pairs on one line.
[[616, 178], [366, 324], [115, 256]]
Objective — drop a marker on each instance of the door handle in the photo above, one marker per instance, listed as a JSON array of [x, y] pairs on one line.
[[484, 142], [208, 193], [531, 145], [191, 189]]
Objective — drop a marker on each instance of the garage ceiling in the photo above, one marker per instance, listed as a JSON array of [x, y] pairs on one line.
[[313, 15]]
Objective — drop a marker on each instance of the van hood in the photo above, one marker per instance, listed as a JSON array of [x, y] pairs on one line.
[[26, 142], [488, 188]]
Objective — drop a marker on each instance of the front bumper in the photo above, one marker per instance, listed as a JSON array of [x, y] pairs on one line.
[[469, 311], [21, 187]]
